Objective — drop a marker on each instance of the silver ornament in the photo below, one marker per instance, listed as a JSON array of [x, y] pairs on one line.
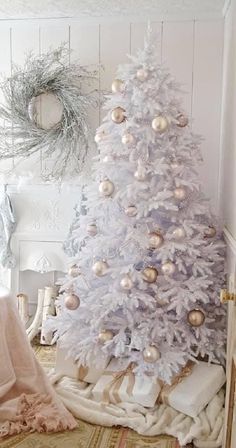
[[99, 268], [92, 229], [99, 137], [142, 74], [160, 124], [118, 115], [131, 211], [117, 86], [126, 282], [210, 232], [105, 336], [72, 302], [151, 354], [155, 240], [182, 120], [180, 193], [168, 268], [74, 270], [106, 187], [141, 174]]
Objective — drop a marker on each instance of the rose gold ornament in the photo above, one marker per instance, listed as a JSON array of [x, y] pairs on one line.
[[74, 270], [180, 193], [142, 74], [179, 233], [106, 187], [127, 139], [131, 211], [117, 86], [92, 229], [168, 268], [99, 137], [151, 354], [196, 318], [105, 336], [155, 240], [182, 120], [160, 124], [126, 282], [210, 232], [118, 115], [100, 268], [72, 302], [150, 274]]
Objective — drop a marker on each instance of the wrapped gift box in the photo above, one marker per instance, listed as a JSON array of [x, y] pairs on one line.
[[119, 384], [66, 366], [194, 388]]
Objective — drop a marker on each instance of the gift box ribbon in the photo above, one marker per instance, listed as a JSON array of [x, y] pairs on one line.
[[166, 389], [114, 385]]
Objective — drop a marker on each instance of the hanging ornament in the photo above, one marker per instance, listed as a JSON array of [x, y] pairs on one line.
[[151, 354], [117, 86], [160, 124], [155, 240], [99, 137], [210, 232], [168, 268], [72, 302], [179, 233], [131, 211], [118, 115], [92, 229], [108, 158], [140, 174], [105, 336], [196, 318], [100, 268], [74, 270], [182, 121], [149, 274], [142, 74], [174, 165], [127, 139], [180, 193], [106, 187], [126, 282]]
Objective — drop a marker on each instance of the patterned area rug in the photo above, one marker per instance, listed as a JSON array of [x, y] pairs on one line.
[[86, 435]]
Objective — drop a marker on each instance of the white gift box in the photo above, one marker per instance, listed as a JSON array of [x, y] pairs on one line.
[[195, 391], [66, 366], [119, 384]]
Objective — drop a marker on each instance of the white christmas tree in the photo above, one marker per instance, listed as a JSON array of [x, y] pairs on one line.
[[146, 277]]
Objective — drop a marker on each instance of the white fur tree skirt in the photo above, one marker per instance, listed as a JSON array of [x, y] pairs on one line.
[[206, 430]]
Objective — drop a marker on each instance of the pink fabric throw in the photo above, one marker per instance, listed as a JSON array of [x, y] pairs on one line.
[[27, 400]]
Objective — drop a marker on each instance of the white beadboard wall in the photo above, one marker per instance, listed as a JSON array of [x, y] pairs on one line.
[[191, 49]]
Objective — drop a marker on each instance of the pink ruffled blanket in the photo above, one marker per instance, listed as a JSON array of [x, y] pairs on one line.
[[27, 400]]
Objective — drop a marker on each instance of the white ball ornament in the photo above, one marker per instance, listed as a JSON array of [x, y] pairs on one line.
[[179, 233], [72, 302], [118, 115], [142, 74], [99, 268], [127, 139], [106, 187], [105, 336], [182, 120], [92, 229], [117, 86], [155, 240], [168, 268], [126, 282], [131, 211], [180, 193], [151, 354], [150, 274], [160, 124], [74, 270], [99, 137]]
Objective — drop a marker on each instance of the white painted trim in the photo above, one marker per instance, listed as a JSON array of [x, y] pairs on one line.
[[226, 7], [230, 240]]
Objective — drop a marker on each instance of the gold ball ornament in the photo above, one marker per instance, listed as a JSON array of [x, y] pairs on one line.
[[99, 137], [117, 86], [127, 139], [72, 302], [126, 282], [155, 240], [99, 268], [142, 74], [150, 274], [118, 115], [131, 211], [92, 229], [160, 124], [179, 233], [168, 268], [151, 354], [180, 193], [196, 318], [105, 336], [182, 121], [210, 232], [106, 187], [74, 270]]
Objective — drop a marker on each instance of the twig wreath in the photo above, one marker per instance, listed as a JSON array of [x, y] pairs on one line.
[[68, 139]]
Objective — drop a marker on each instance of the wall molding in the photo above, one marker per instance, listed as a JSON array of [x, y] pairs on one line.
[[226, 7], [231, 242]]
